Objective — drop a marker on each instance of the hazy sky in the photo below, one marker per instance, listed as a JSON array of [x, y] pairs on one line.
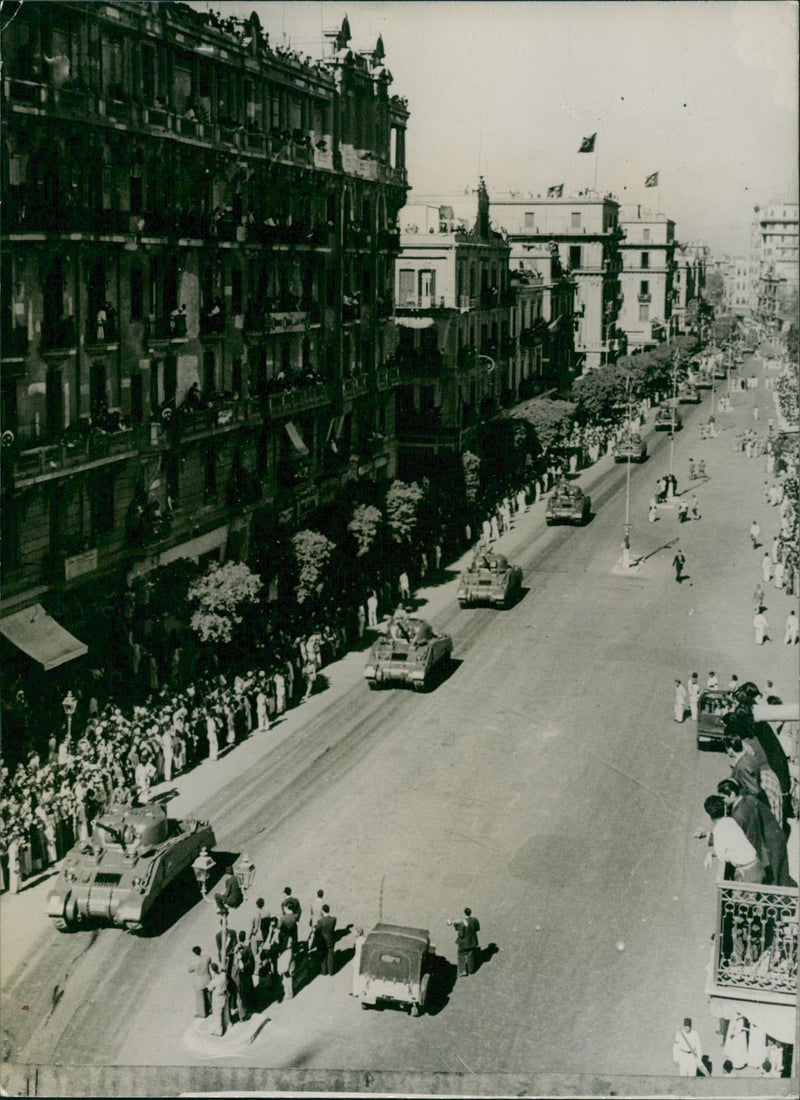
[[702, 91]]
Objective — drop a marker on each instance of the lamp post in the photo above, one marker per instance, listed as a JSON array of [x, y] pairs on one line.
[[69, 703], [626, 531], [674, 407], [202, 868]]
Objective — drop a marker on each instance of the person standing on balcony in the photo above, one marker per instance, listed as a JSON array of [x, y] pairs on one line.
[[729, 844], [761, 829]]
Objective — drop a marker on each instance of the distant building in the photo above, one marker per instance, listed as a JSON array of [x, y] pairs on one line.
[[585, 231], [774, 251], [687, 282], [648, 270]]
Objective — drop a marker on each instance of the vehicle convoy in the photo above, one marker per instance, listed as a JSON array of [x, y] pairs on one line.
[[567, 504], [395, 967], [410, 652], [668, 417], [489, 579], [689, 396], [118, 875], [630, 446]]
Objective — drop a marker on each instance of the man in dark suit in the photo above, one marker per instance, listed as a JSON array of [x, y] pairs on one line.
[[325, 938], [230, 896], [244, 966], [467, 943]]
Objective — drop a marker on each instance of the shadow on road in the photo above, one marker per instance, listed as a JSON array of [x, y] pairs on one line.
[[486, 954], [443, 980]]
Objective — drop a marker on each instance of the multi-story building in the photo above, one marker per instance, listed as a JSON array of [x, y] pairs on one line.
[[648, 270], [585, 230], [738, 285], [198, 244], [547, 331], [455, 340], [774, 249], [688, 280]]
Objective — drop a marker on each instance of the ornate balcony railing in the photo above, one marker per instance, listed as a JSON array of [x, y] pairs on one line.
[[296, 400], [755, 947]]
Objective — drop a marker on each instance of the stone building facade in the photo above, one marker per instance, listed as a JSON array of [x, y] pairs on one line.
[[198, 245]]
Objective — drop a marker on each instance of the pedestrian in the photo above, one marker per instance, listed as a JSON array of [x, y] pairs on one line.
[[310, 673], [200, 969], [259, 928], [758, 596], [766, 568], [219, 999], [314, 912], [778, 578], [701, 469], [261, 709], [652, 512], [774, 551], [404, 586], [695, 506], [467, 930], [678, 563], [244, 967], [755, 531], [687, 1054], [362, 620], [495, 528], [325, 940], [735, 1046], [213, 738], [683, 511], [729, 844], [693, 692], [691, 469], [761, 626], [755, 413], [372, 610], [437, 555], [679, 702], [790, 635], [280, 692]]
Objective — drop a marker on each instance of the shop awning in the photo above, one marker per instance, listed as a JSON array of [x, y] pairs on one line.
[[414, 322], [296, 438], [41, 637]]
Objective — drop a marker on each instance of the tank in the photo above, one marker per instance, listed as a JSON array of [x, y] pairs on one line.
[[117, 876], [490, 579], [567, 504], [630, 446], [410, 652]]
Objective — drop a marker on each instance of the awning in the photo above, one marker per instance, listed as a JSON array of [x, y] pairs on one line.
[[296, 438], [553, 324], [41, 637], [414, 322]]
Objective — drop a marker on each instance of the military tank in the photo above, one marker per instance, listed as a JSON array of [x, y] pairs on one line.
[[491, 579], [117, 876], [410, 652], [567, 503]]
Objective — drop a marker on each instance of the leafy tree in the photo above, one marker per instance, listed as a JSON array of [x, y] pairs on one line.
[[472, 479], [551, 420], [598, 391], [168, 585], [222, 594], [364, 527], [403, 501], [715, 289], [313, 552]]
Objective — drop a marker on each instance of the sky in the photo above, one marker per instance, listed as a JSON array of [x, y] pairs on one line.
[[704, 92]]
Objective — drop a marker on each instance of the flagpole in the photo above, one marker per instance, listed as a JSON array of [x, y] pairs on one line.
[[596, 144]]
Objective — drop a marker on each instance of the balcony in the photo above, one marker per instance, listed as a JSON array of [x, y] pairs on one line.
[[166, 328], [212, 322], [14, 343], [214, 416], [77, 449], [28, 93], [387, 377], [59, 337], [354, 386], [102, 334], [645, 298], [294, 400]]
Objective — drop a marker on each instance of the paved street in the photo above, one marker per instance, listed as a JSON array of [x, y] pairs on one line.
[[544, 784]]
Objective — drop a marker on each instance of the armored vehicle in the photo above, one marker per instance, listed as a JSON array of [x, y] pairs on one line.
[[410, 652], [395, 967], [630, 446], [489, 579], [689, 396], [666, 418], [117, 876], [567, 504]]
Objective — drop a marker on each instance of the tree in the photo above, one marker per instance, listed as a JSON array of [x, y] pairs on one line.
[[403, 501], [715, 289], [551, 420], [312, 552], [364, 527], [598, 392], [222, 594]]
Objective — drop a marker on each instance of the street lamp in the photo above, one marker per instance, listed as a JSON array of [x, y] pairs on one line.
[[245, 870], [202, 868], [70, 704]]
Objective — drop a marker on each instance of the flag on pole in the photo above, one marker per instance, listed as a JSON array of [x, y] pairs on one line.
[[556, 191], [587, 145], [652, 180]]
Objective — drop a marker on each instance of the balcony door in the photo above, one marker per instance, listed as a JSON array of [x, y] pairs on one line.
[[54, 403]]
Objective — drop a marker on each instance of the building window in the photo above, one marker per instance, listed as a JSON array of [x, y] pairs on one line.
[[102, 502], [644, 287], [406, 289], [646, 234], [644, 312], [209, 474], [236, 291], [645, 260], [137, 293], [427, 284], [530, 220], [171, 465], [575, 219], [209, 371], [236, 377], [574, 256]]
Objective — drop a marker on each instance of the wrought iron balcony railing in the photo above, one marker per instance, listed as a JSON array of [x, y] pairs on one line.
[[755, 947]]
